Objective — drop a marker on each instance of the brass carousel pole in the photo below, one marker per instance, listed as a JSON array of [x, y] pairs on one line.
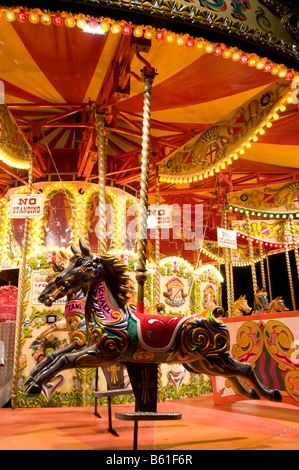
[[290, 276], [250, 246], [102, 235], [264, 285], [295, 244], [20, 302], [142, 219], [227, 261], [269, 278], [157, 234]]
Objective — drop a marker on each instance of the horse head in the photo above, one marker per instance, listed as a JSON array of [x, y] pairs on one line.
[[242, 305], [83, 268]]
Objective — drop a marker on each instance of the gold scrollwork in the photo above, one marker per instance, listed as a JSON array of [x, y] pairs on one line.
[[249, 340], [278, 341], [291, 382]]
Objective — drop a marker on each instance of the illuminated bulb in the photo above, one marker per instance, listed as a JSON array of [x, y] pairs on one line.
[[275, 116], [235, 157], [236, 56], [251, 62], [248, 145], [206, 174], [217, 169], [282, 108], [262, 132], [159, 35], [70, 22], [242, 151], [180, 41], [170, 38], [282, 73], [194, 178], [209, 48], [255, 138], [22, 16], [81, 22], [190, 42], [116, 29], [58, 20], [289, 75], [200, 177], [199, 44], [138, 32], [269, 124], [10, 15], [223, 166], [46, 19], [229, 162], [260, 65], [148, 34], [227, 54], [127, 30]]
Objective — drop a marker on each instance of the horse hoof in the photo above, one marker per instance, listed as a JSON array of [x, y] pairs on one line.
[[33, 390], [28, 381], [254, 395], [276, 395]]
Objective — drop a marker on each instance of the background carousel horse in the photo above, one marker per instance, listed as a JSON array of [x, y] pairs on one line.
[[277, 305], [260, 303], [200, 344], [242, 307]]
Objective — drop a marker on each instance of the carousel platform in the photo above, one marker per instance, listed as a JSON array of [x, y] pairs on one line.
[[246, 425]]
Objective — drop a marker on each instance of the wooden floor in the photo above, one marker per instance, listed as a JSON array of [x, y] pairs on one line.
[[246, 425]]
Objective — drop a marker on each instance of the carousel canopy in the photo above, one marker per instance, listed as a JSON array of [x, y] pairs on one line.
[[224, 105]]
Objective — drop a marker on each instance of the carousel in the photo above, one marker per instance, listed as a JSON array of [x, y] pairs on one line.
[[149, 205]]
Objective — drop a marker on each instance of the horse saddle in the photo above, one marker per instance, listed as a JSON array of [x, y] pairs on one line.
[[157, 332]]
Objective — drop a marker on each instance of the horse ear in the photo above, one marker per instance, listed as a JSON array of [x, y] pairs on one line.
[[75, 250], [57, 268], [84, 248]]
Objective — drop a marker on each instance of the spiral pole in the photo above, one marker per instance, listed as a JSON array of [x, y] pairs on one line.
[[269, 278], [290, 276], [20, 300], [102, 234], [157, 251], [264, 285], [295, 245], [142, 219], [250, 246], [227, 261]]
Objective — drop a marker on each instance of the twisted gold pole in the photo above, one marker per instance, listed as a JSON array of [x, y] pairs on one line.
[[250, 246], [157, 251], [264, 285], [227, 261], [142, 220], [102, 235], [295, 245], [20, 301], [269, 278], [290, 276]]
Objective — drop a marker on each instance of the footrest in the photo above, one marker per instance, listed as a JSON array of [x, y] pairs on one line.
[[147, 416], [112, 393]]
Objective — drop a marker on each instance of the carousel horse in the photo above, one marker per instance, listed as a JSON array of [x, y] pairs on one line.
[[277, 305], [260, 304], [117, 334], [242, 307]]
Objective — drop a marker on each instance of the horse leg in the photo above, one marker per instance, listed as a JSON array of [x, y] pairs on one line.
[[236, 384], [87, 357], [225, 366], [49, 360]]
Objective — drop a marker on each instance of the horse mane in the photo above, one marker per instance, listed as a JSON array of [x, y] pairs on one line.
[[116, 278]]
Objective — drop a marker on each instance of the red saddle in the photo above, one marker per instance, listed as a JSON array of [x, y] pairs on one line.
[[157, 332]]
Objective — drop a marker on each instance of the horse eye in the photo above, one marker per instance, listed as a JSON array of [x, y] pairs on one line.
[[79, 262], [88, 264]]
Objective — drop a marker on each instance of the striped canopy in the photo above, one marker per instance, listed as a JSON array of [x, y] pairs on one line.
[[56, 77]]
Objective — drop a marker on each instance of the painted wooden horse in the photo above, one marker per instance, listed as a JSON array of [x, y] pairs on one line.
[[260, 303], [117, 334], [277, 305], [242, 307]]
